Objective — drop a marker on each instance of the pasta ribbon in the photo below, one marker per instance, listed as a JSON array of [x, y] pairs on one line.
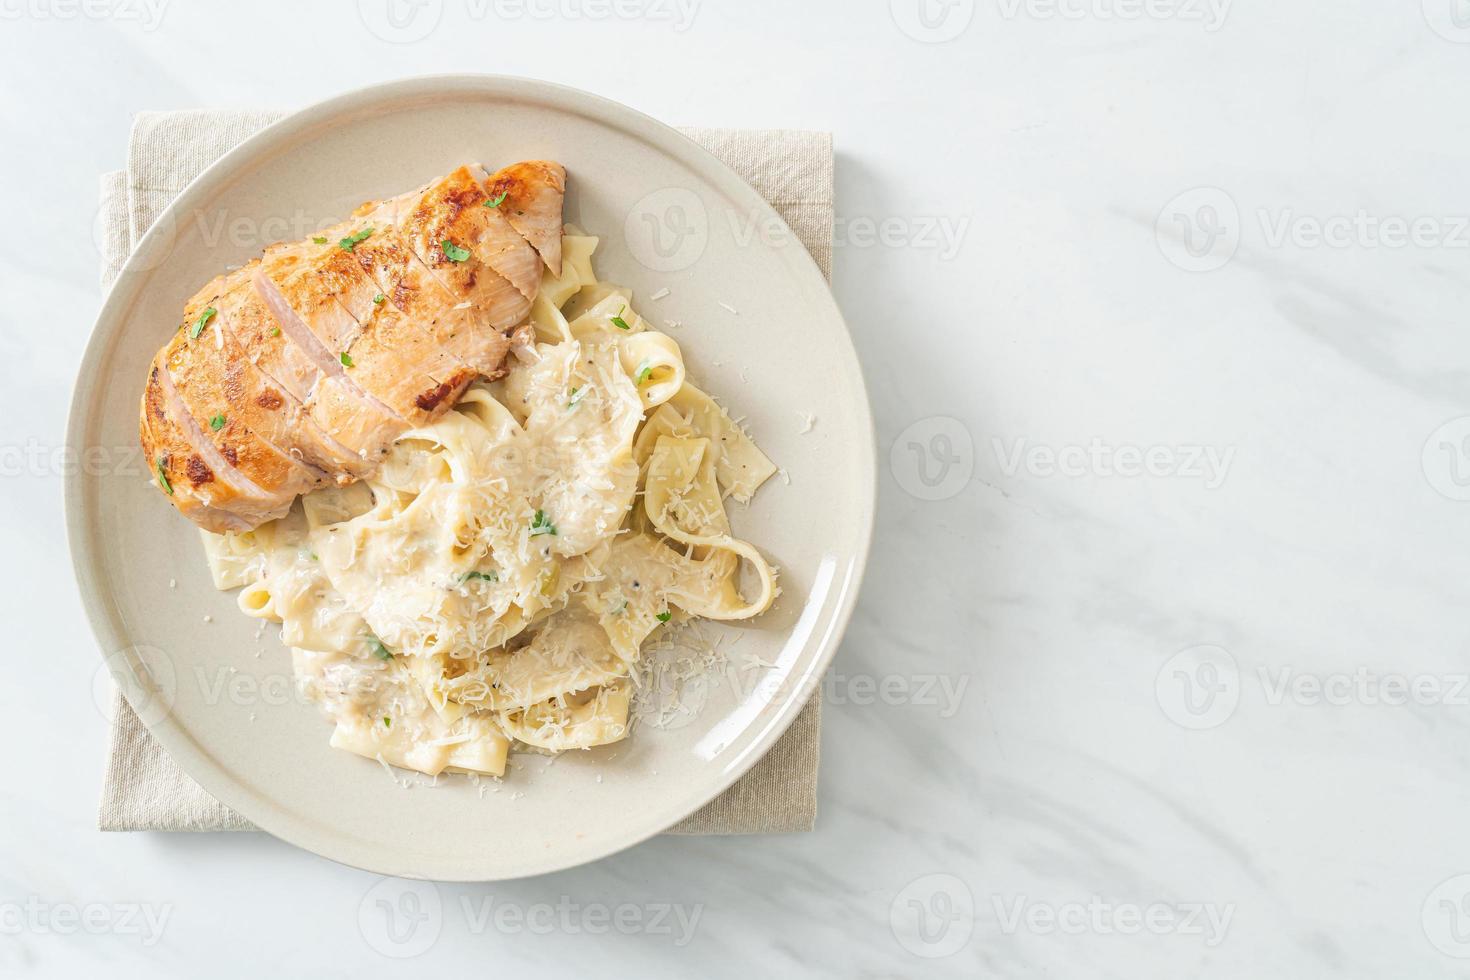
[[494, 582]]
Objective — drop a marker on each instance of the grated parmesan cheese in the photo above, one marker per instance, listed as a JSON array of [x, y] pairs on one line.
[[521, 462]]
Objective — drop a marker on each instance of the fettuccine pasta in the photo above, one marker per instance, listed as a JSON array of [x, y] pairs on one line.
[[491, 587]]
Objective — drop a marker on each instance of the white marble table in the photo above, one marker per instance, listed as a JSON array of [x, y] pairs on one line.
[[1160, 667]]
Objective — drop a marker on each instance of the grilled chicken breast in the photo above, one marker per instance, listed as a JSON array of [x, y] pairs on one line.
[[300, 369]]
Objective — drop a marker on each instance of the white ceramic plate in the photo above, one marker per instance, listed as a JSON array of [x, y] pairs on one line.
[[218, 697]]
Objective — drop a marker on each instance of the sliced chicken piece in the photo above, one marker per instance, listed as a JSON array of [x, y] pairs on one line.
[[445, 227], [337, 402], [534, 193], [242, 318], [390, 340], [314, 276], [200, 477], [399, 366], [270, 410], [168, 470], [501, 246], [245, 314], [471, 334], [456, 209], [230, 413]]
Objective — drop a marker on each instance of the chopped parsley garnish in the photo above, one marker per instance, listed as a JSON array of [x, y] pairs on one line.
[[644, 370], [379, 299], [664, 616], [471, 576], [496, 203], [168, 488], [321, 239], [375, 646], [349, 244], [541, 524], [387, 722], [275, 331], [346, 359], [198, 326], [217, 422], [453, 252], [618, 320], [578, 394]]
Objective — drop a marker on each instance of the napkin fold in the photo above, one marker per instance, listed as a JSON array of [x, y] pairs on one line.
[[144, 788]]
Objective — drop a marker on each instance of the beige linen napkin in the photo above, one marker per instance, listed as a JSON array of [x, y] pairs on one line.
[[144, 788]]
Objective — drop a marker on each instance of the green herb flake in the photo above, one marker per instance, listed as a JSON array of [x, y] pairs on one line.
[[349, 244], [168, 488], [321, 239], [618, 320], [541, 524], [375, 646], [379, 299], [497, 202], [578, 394], [453, 252], [664, 616], [198, 326], [217, 422], [387, 722], [645, 370], [346, 359], [485, 576], [275, 331]]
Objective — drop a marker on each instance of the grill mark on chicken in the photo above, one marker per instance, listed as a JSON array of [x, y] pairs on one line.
[[431, 400], [199, 473]]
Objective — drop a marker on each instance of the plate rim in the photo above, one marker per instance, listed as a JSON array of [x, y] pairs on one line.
[[192, 757]]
